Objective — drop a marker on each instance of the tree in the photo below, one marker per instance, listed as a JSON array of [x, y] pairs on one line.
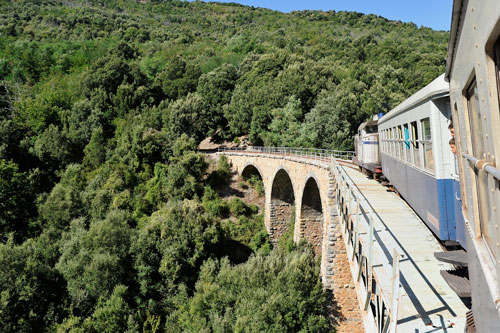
[[95, 151], [32, 296], [178, 78], [285, 126], [64, 202], [16, 201], [216, 89], [275, 293], [169, 251], [96, 260]]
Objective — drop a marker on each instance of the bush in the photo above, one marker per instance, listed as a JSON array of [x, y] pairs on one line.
[[213, 204], [281, 292], [237, 207], [257, 184]]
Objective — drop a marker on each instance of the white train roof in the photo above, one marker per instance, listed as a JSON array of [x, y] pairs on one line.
[[438, 87]]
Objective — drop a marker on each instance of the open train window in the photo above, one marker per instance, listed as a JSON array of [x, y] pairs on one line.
[[415, 144], [478, 141], [427, 143]]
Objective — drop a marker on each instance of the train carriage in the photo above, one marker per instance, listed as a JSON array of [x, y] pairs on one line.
[[472, 70], [367, 149], [417, 160]]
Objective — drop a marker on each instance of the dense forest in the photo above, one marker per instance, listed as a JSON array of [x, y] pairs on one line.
[[110, 219]]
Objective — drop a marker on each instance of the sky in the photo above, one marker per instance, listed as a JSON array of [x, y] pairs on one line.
[[435, 14]]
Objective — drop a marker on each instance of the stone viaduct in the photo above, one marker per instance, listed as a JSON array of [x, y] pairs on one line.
[[301, 193]]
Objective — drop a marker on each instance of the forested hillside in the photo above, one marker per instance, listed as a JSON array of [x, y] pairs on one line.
[[110, 220]]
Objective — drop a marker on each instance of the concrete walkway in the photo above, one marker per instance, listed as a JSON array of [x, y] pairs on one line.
[[428, 303]]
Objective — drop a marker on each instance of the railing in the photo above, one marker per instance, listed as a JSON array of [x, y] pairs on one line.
[[358, 218], [482, 164], [309, 153]]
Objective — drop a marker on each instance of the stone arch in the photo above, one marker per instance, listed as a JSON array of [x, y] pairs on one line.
[[249, 170], [311, 215], [282, 207]]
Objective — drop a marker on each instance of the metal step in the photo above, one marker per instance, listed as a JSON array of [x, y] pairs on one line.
[[459, 284], [471, 325], [458, 257]]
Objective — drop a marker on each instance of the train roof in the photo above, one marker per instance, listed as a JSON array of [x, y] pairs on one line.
[[367, 123], [437, 88]]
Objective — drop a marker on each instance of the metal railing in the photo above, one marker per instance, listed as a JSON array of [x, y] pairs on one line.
[[482, 164], [309, 153], [358, 218]]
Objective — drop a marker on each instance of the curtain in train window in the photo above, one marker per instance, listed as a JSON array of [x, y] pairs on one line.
[[427, 143], [479, 141], [415, 144], [406, 142]]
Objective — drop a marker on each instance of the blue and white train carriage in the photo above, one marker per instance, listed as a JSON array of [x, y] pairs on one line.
[[417, 160]]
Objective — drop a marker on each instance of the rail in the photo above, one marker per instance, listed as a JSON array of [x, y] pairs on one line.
[[356, 213], [309, 153], [482, 164]]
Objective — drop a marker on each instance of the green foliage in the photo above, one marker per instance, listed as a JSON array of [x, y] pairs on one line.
[[220, 176], [111, 315], [185, 171], [95, 261], [95, 151], [214, 204], [17, 200], [276, 293], [102, 105], [257, 184], [169, 250], [64, 203], [32, 296], [178, 78], [238, 208]]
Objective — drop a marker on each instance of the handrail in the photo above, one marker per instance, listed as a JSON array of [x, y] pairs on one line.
[[312, 153], [482, 164], [364, 214]]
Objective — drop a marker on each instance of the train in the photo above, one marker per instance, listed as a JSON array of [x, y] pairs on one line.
[[456, 193], [366, 146], [410, 146]]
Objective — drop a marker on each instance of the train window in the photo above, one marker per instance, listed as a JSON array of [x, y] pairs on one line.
[[415, 144], [400, 143], [394, 143], [390, 141], [406, 143], [427, 143], [478, 141], [381, 141], [385, 141]]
